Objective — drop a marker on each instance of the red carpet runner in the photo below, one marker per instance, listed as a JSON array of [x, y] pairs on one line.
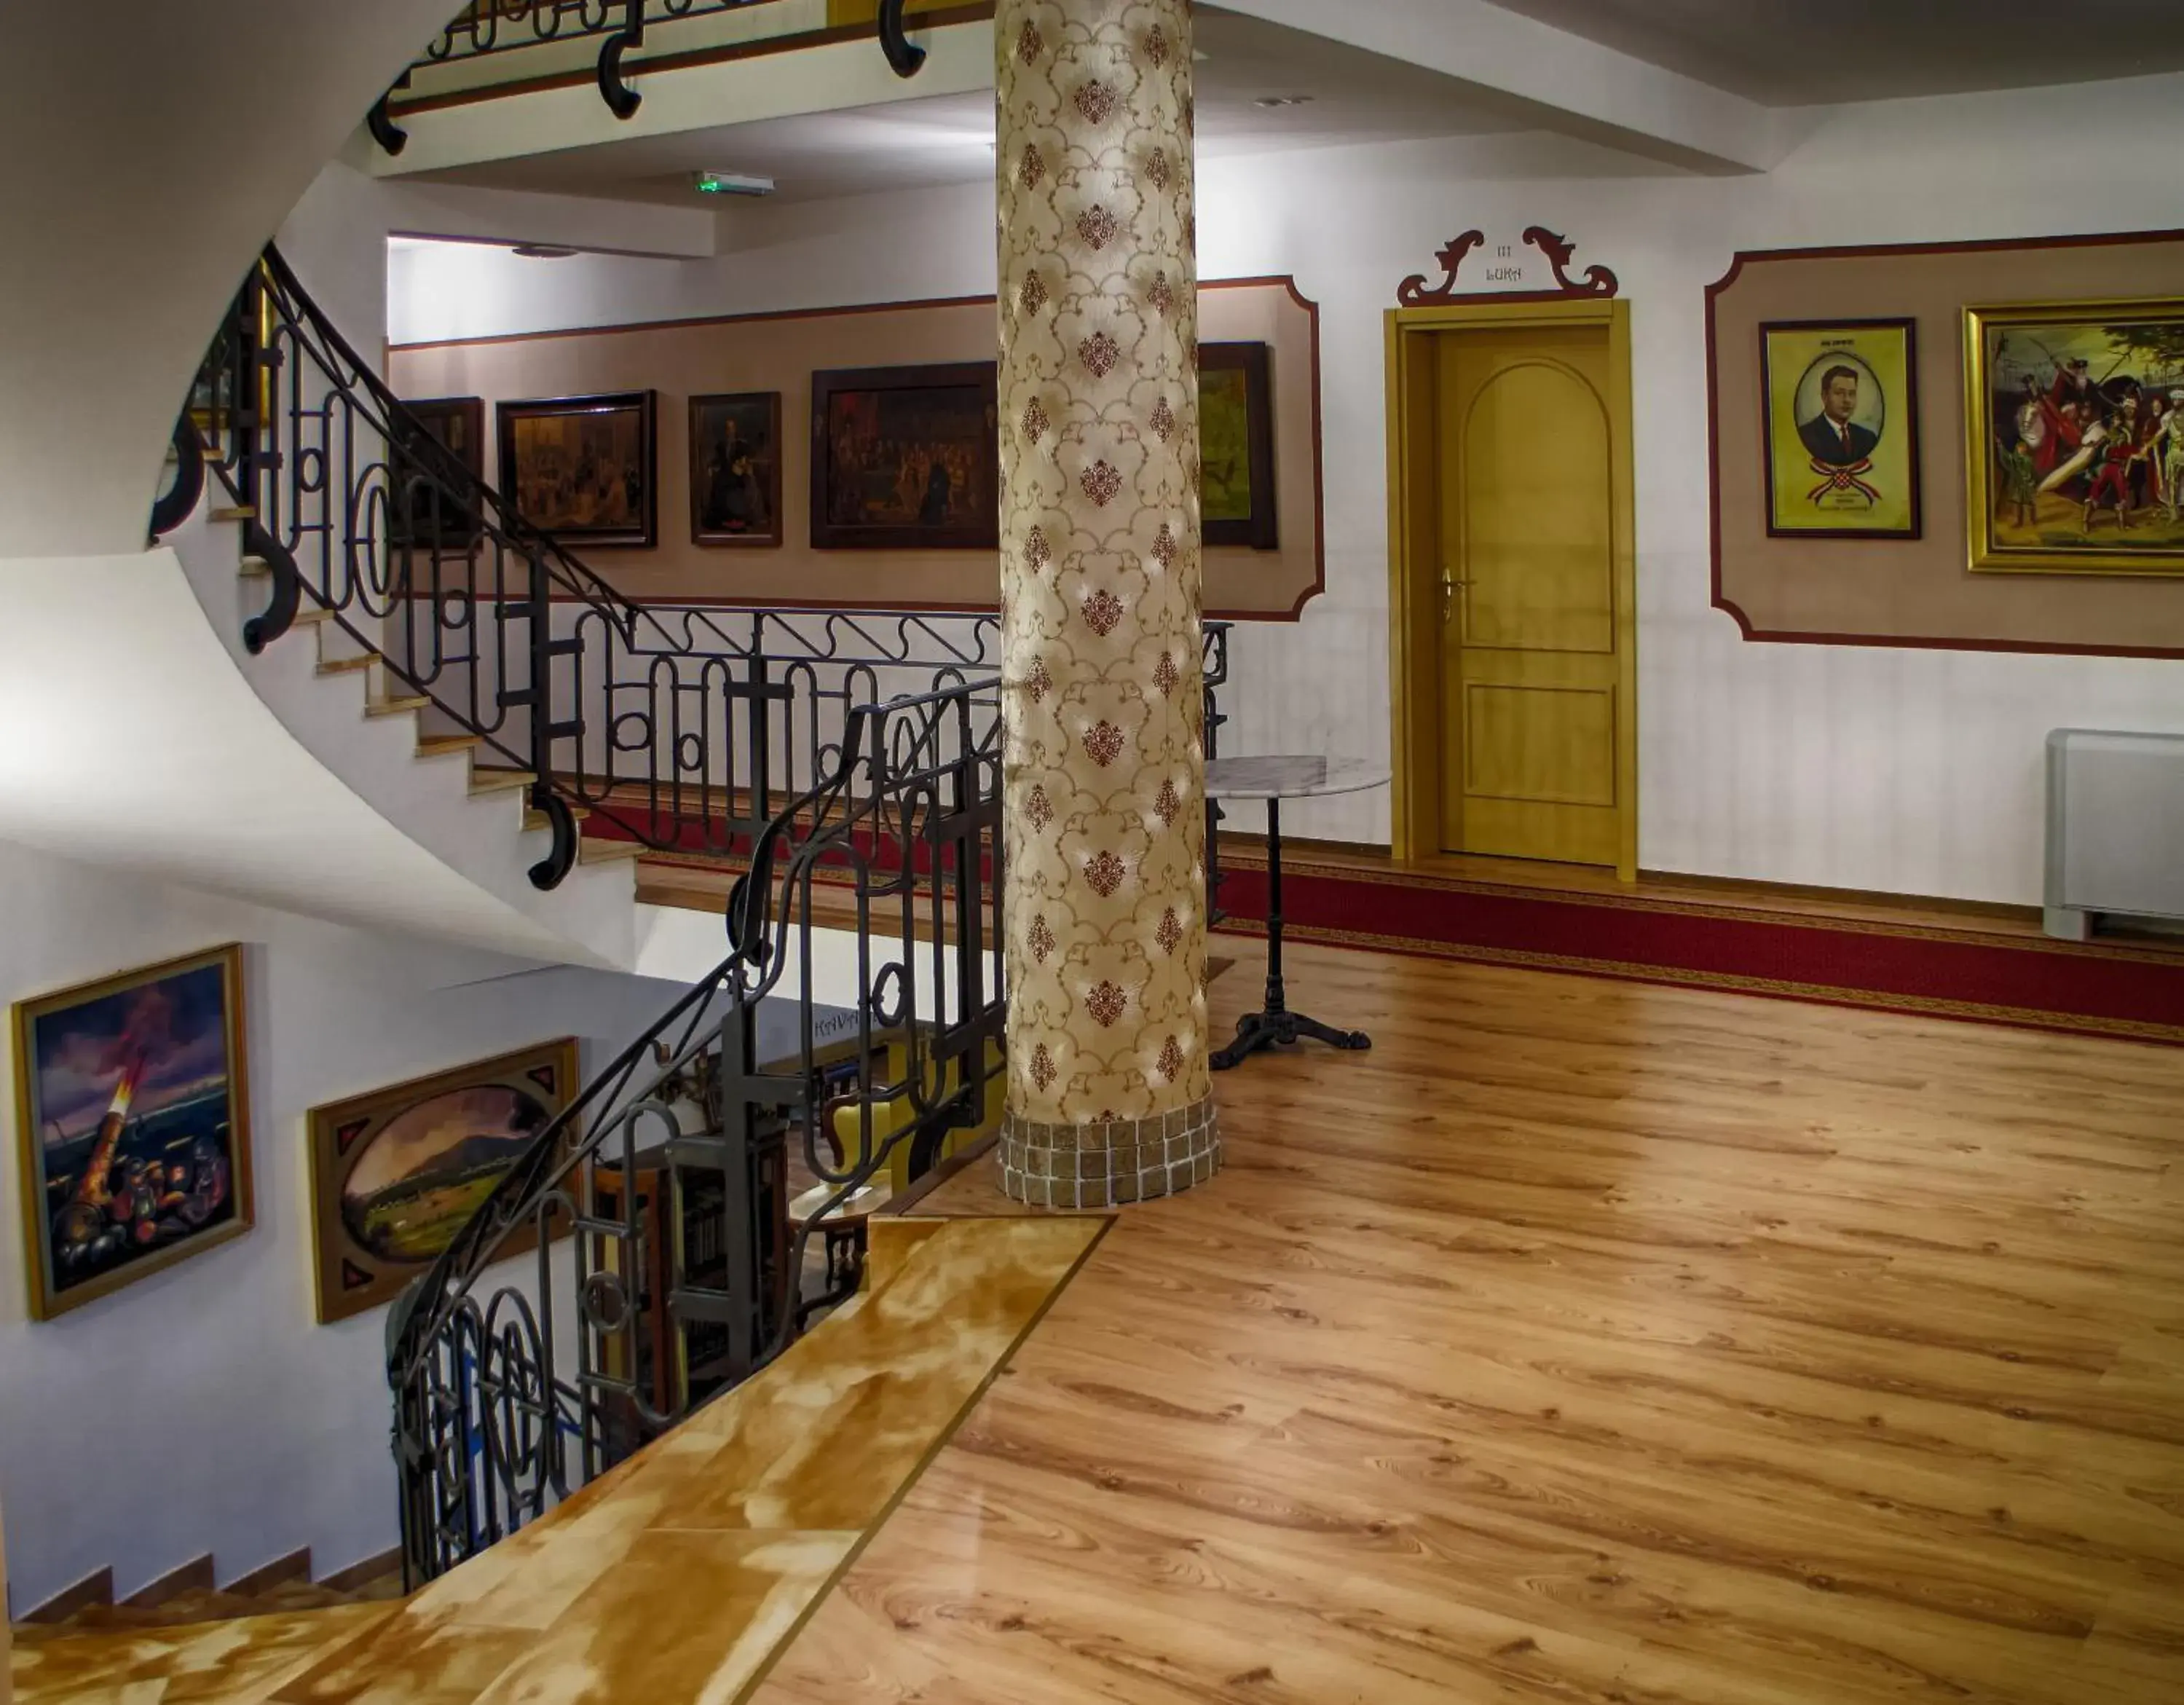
[[2135, 994]]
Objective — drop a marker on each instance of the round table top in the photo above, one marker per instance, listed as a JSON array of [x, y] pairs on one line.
[[1294, 777]]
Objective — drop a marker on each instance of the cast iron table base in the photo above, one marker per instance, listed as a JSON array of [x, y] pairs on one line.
[[1277, 1026]]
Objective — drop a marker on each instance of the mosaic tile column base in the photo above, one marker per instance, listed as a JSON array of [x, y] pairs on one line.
[[1109, 1162]]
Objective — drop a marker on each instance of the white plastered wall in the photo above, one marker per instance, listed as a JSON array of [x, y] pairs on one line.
[[203, 1410]]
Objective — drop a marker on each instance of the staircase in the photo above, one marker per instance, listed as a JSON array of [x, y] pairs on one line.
[[188, 1596], [428, 712]]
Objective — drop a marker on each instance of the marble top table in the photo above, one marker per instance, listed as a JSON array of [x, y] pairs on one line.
[[1291, 777], [1273, 779]]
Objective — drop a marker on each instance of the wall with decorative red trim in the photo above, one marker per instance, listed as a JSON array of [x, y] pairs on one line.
[[1885, 768], [779, 352], [1915, 591]]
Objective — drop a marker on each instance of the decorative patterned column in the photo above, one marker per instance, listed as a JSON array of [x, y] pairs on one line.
[[1110, 1097]]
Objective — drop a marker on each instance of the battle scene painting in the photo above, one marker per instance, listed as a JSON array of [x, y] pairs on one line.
[[2076, 418], [905, 458], [133, 1125], [396, 1172]]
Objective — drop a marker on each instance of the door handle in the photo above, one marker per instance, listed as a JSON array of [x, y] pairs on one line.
[[1449, 584]]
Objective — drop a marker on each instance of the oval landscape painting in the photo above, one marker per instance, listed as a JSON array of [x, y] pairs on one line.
[[424, 1171]]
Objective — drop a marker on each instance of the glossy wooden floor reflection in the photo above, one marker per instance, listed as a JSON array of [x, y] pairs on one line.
[[1585, 1342]]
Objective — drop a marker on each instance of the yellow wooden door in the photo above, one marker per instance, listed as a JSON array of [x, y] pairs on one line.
[[1530, 679]]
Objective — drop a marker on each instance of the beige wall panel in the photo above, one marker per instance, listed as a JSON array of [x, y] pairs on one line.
[[1912, 591], [780, 353]]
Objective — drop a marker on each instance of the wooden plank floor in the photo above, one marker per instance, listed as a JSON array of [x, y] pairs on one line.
[[1585, 1343]]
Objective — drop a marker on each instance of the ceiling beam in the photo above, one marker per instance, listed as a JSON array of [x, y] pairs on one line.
[[1563, 82]]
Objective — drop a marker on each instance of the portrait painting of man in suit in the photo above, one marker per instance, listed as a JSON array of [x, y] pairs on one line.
[[1842, 416], [1834, 435]]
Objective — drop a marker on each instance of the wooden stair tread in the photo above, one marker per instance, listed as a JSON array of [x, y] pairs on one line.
[[395, 707], [438, 745], [484, 781], [344, 665], [597, 850]]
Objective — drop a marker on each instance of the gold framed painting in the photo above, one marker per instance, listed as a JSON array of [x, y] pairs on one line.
[[2074, 450], [1842, 428], [396, 1173], [132, 1117]]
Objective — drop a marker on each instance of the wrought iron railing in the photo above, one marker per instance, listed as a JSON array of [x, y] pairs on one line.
[[677, 1273], [485, 27], [682, 728], [499, 26], [679, 727], [847, 761]]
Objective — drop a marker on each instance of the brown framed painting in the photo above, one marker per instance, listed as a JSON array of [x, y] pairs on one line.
[[396, 1172], [1841, 412], [1236, 445], [132, 1119], [584, 469], [906, 458], [437, 459], [735, 469], [2074, 448]]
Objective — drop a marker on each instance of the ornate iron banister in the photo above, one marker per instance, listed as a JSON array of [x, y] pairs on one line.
[[484, 27], [852, 759], [507, 1398], [487, 27], [675, 726]]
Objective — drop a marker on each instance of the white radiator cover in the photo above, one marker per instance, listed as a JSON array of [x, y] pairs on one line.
[[2115, 828]]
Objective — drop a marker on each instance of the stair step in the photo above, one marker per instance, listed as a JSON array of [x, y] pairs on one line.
[[395, 707], [538, 819], [313, 614], [195, 1575], [291, 1570], [485, 781], [347, 665], [438, 745], [245, 512], [253, 567], [597, 850]]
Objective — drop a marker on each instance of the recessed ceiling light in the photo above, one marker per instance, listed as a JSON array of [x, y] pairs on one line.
[[541, 251], [1272, 101]]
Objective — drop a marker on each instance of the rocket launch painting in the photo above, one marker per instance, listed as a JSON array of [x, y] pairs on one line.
[[133, 1124]]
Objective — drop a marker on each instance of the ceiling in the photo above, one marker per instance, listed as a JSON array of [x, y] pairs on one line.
[[1799, 53], [1356, 96]]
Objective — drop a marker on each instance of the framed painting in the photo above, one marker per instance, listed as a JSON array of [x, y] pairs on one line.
[[1841, 410], [436, 464], [2074, 449], [735, 469], [1236, 445], [584, 468], [396, 1173], [906, 458], [132, 1116]]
